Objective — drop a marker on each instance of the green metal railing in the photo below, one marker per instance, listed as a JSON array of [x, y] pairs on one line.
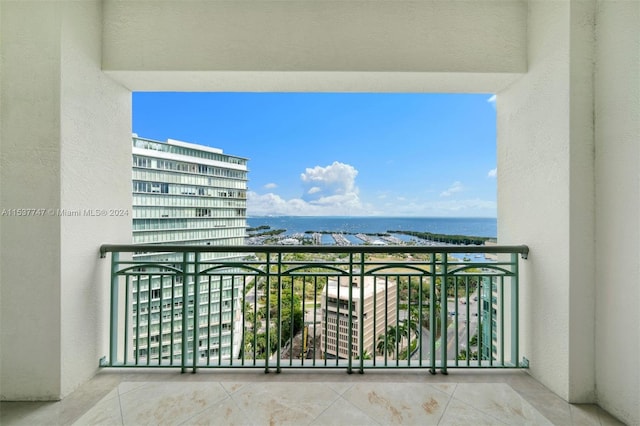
[[353, 307]]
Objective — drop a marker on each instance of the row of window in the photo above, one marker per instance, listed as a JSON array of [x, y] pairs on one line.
[[186, 212], [152, 175], [190, 152], [176, 297], [186, 201], [192, 234], [178, 189], [151, 224], [183, 167]]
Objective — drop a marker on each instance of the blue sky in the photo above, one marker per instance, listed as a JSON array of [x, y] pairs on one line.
[[429, 155]]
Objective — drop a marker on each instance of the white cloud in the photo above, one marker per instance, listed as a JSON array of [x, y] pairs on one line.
[[332, 191], [455, 187], [337, 177], [492, 99], [336, 205], [329, 190], [492, 173], [270, 186]]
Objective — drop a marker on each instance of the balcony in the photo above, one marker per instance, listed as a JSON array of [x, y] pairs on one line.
[[354, 295], [315, 307]]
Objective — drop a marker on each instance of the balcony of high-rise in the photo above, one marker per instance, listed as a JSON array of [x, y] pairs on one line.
[[567, 98]]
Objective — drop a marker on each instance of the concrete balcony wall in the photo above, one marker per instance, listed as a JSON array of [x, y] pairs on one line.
[[30, 176], [617, 138], [549, 138], [534, 204], [65, 131], [295, 45]]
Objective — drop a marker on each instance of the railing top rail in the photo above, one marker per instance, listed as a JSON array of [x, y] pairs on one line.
[[142, 248]]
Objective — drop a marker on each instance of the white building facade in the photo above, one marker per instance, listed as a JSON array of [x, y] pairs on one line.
[[186, 194]]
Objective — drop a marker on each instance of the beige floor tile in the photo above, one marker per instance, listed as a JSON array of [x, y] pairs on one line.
[[225, 412], [406, 403], [302, 397], [461, 414], [343, 413], [499, 400], [284, 403], [551, 406], [106, 412], [169, 403]]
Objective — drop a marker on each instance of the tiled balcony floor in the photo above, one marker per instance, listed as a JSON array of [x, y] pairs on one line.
[[307, 398]]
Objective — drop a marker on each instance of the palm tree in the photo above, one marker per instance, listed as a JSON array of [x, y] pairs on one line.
[[387, 342], [403, 333]]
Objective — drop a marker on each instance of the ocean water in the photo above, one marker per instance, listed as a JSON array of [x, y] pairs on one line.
[[477, 227]]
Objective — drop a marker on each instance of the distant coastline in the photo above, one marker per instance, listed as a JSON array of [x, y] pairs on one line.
[[353, 229]]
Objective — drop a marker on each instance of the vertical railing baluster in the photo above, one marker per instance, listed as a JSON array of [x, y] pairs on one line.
[[326, 319], [502, 302], [489, 292], [196, 310], [386, 318], [398, 336], [361, 314], [480, 322], [338, 319], [432, 313], [137, 327], [173, 314], [255, 319], [243, 322], [233, 299], [455, 319], [408, 321], [127, 312], [279, 312], [209, 315], [291, 323], [115, 281], [160, 341], [444, 308], [268, 314], [350, 316], [149, 320], [375, 318], [515, 332], [185, 310], [220, 318], [315, 313], [468, 320], [420, 318]]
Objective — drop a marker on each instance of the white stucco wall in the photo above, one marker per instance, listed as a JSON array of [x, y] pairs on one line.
[[298, 45], [65, 143], [30, 254], [533, 191], [299, 35], [95, 174], [617, 135]]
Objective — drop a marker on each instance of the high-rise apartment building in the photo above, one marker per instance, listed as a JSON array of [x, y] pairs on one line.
[[186, 194], [379, 312]]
